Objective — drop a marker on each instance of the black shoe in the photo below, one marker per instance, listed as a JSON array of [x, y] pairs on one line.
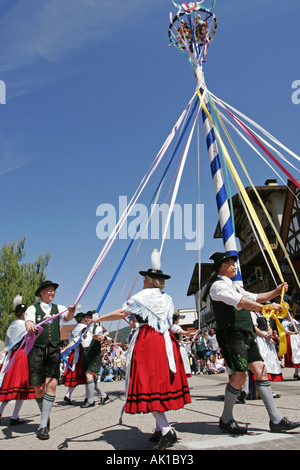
[[67, 401], [283, 425], [103, 400], [166, 440], [42, 434], [87, 405], [155, 436], [232, 427], [296, 376], [14, 421], [242, 397]]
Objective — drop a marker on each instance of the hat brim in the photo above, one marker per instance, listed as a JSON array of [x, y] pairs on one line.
[[225, 258], [155, 274]]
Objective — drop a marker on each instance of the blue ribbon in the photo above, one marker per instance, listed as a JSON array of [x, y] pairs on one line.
[[64, 355]]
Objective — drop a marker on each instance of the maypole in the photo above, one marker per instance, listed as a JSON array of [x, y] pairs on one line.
[[191, 31]]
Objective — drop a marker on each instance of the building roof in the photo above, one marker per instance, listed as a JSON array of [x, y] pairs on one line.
[[206, 270]]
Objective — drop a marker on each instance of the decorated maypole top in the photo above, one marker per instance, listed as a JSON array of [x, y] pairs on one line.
[[192, 31]]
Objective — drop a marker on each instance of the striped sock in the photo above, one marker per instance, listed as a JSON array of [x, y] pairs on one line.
[[231, 395], [90, 391], [48, 401], [265, 392]]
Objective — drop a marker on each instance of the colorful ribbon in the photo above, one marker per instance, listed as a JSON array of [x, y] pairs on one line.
[[269, 312]]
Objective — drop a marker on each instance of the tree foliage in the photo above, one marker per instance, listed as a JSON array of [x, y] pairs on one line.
[[18, 277]]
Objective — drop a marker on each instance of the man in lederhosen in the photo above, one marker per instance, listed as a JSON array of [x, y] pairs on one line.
[[236, 337], [44, 357]]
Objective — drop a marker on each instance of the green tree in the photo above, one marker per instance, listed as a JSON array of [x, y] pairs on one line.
[[18, 277]]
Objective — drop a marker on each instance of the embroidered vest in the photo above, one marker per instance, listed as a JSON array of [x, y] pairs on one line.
[[51, 329], [229, 318]]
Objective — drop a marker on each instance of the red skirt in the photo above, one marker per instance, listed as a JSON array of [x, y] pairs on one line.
[[15, 385], [288, 362], [152, 385], [275, 377], [72, 378]]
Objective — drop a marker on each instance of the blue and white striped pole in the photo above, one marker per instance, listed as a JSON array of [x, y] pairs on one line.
[[228, 235]]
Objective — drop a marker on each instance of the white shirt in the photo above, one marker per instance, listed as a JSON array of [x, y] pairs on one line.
[[89, 336], [227, 292], [75, 332], [30, 312]]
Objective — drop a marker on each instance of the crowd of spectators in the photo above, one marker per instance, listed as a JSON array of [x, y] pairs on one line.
[[113, 361], [204, 353], [202, 349]]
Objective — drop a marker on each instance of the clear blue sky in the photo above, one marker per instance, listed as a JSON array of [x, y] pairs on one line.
[[93, 89]]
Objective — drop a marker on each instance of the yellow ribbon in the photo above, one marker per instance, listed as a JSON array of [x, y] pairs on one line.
[[269, 312], [246, 198], [258, 196]]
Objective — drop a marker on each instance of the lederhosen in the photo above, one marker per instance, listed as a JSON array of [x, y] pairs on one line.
[[44, 357], [235, 334]]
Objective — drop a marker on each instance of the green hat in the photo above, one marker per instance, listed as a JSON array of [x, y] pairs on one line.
[[219, 258]]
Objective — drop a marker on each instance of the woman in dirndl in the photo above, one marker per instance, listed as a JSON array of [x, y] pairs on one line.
[[155, 376], [292, 356], [178, 333], [14, 384], [267, 347]]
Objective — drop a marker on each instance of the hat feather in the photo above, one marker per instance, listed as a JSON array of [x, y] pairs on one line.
[[17, 300], [155, 259]]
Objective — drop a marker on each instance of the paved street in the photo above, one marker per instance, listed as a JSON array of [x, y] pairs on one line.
[[108, 428]]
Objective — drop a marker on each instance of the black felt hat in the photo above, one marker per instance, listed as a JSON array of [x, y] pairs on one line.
[[20, 308], [155, 273], [79, 316], [219, 257], [155, 270], [45, 284]]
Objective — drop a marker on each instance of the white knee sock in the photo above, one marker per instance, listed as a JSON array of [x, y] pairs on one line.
[[2, 406], [69, 392], [17, 408], [161, 422]]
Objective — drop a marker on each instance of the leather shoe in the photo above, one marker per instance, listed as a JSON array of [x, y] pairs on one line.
[[103, 400], [283, 425], [155, 436], [166, 440], [87, 405], [42, 433], [232, 427], [67, 401]]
